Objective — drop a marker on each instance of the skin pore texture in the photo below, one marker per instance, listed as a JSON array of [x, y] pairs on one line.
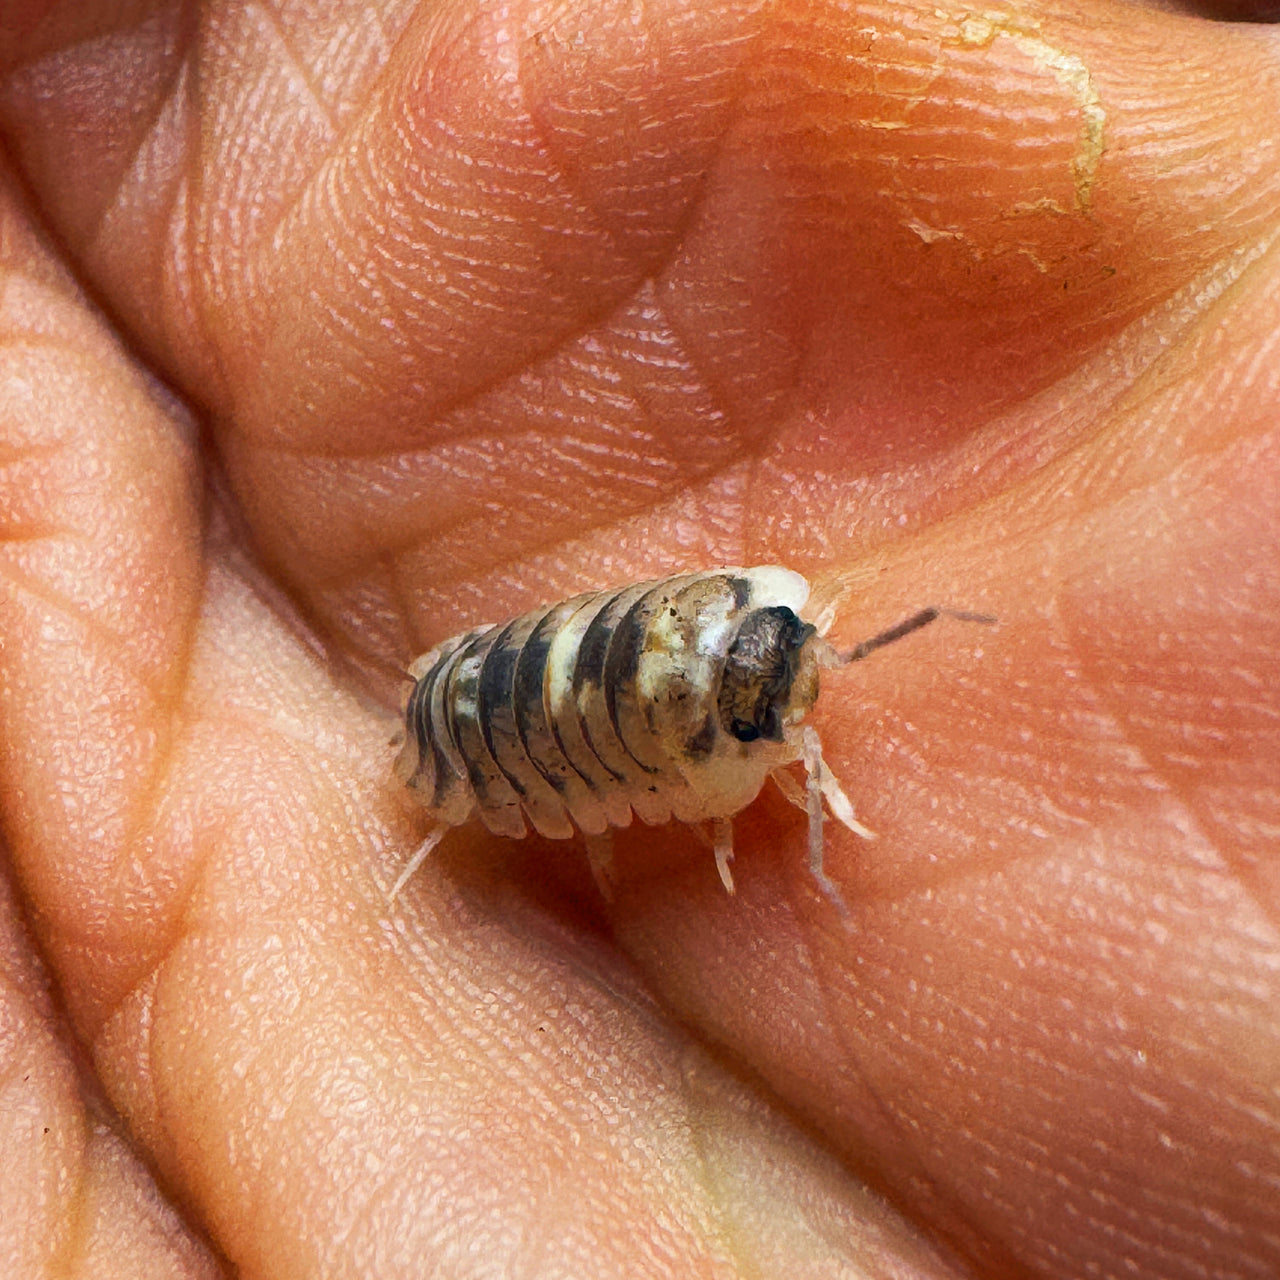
[[330, 331]]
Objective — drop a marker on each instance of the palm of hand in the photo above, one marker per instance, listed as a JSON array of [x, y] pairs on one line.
[[477, 315]]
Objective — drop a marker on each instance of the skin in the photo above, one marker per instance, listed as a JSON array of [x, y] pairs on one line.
[[325, 338]]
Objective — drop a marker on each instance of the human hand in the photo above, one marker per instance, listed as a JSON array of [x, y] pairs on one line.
[[476, 307]]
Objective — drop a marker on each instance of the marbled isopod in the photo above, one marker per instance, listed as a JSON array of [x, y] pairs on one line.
[[670, 699]]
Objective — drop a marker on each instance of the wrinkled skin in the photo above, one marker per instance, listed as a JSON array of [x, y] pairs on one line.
[[329, 333]]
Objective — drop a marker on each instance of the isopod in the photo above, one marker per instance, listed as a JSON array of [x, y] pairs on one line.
[[675, 698]]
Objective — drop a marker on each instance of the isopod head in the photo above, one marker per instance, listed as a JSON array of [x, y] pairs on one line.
[[770, 677], [726, 675]]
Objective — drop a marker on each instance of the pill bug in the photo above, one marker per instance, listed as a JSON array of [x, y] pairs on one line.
[[675, 698]]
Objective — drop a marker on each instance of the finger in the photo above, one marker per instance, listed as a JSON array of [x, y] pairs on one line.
[[76, 1199], [84, 649], [101, 542]]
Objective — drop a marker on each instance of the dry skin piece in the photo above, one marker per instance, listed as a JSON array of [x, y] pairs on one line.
[[670, 699]]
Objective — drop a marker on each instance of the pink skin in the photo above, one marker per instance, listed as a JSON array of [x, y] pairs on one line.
[[465, 307]]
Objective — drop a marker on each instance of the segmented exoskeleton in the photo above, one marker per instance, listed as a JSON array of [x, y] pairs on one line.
[[675, 698]]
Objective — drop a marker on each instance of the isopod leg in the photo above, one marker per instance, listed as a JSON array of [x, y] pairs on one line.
[[600, 856], [722, 842], [790, 788], [841, 806], [419, 857], [818, 787]]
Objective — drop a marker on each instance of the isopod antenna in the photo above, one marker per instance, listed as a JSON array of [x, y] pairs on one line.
[[908, 625]]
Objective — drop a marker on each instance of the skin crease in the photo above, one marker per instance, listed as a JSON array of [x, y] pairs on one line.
[[329, 332]]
